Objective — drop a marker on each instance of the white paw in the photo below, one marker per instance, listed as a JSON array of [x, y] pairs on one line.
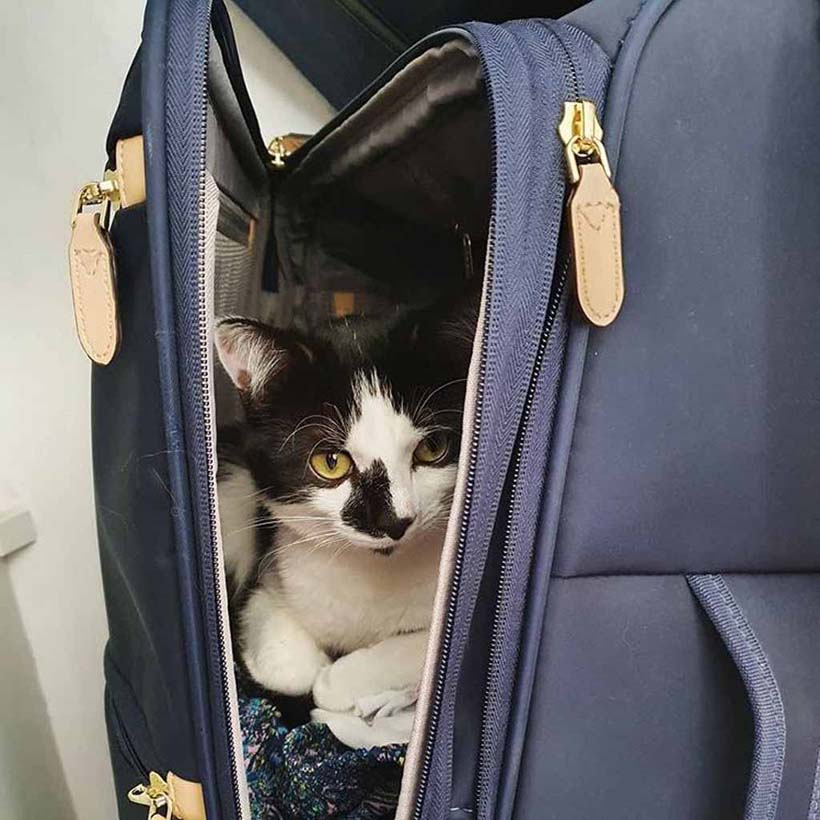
[[286, 666], [337, 687], [278, 651]]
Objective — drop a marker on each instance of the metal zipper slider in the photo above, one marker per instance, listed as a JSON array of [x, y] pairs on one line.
[[156, 795], [594, 211], [280, 148]]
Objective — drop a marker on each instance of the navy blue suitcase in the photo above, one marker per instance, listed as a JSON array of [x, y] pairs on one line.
[[627, 621], [341, 45]]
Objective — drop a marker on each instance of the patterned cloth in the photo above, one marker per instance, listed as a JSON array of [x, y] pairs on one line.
[[307, 774]]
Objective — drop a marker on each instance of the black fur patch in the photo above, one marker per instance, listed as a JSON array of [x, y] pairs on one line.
[[370, 506]]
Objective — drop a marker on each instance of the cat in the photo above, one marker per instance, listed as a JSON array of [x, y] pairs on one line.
[[334, 496]]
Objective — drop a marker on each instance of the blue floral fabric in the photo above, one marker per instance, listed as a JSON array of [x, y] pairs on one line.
[[305, 773]]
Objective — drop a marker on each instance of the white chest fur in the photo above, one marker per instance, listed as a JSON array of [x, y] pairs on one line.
[[354, 598]]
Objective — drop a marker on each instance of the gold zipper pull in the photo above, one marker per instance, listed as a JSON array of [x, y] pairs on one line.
[[280, 148], [92, 271], [156, 795], [90, 255], [594, 211]]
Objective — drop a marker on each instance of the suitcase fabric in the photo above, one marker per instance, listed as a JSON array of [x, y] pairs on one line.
[[627, 622], [320, 36]]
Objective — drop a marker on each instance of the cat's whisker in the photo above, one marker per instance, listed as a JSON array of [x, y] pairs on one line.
[[271, 555], [262, 523], [296, 431], [323, 422], [432, 393], [341, 423]]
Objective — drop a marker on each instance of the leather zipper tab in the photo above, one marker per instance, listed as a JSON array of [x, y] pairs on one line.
[[90, 255], [93, 274], [594, 215]]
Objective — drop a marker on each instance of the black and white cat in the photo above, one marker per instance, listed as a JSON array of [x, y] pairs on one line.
[[334, 496]]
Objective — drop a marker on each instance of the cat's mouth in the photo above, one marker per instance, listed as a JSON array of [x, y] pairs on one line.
[[385, 551]]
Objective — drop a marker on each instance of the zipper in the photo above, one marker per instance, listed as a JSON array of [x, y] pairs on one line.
[[156, 795], [593, 215], [205, 376], [92, 269], [581, 133], [91, 264], [105, 192], [504, 582], [496, 653], [282, 147], [461, 544], [449, 618]]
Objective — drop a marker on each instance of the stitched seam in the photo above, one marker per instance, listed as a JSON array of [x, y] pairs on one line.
[[79, 290], [631, 20], [123, 174], [583, 268]]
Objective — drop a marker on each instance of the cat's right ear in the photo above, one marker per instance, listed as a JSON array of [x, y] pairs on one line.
[[253, 354]]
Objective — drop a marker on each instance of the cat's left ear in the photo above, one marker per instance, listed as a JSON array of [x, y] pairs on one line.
[[254, 354]]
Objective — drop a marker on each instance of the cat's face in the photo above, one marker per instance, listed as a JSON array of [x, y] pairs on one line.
[[349, 451]]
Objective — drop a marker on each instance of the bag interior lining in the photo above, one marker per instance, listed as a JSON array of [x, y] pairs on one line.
[[407, 172]]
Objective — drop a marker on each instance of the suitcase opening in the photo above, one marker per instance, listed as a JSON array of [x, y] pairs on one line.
[[383, 213]]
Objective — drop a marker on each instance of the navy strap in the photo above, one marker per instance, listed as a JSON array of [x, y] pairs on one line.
[[767, 706]]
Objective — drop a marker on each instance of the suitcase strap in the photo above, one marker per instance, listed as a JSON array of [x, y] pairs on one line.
[[740, 640]]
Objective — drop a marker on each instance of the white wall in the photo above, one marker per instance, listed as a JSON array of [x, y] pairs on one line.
[[62, 65]]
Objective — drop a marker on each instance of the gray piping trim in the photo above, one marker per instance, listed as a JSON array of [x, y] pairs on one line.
[[814, 803], [767, 706]]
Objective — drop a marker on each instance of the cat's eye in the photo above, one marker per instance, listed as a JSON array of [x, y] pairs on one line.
[[331, 466], [432, 449]]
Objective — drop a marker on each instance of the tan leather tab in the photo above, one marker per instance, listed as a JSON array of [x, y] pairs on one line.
[[292, 142], [595, 225], [344, 304], [91, 264], [188, 801], [130, 158]]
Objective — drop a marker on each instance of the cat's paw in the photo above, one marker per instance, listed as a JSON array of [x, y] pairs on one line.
[[290, 670], [340, 686], [278, 652], [392, 664]]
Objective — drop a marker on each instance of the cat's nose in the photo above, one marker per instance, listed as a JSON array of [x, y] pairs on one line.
[[396, 527]]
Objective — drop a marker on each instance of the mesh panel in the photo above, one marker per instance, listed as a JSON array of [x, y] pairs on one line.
[[234, 277]]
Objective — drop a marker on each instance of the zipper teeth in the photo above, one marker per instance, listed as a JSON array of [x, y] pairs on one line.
[[438, 692], [208, 434], [215, 556], [506, 567], [495, 650]]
